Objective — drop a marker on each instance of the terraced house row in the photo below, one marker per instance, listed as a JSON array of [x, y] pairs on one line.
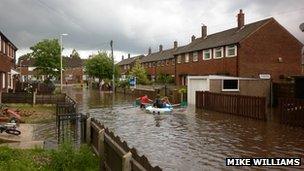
[[247, 50]]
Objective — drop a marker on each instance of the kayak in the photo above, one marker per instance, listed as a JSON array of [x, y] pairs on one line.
[[167, 109]]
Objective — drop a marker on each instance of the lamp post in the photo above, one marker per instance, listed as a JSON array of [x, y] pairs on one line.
[[61, 47], [302, 52]]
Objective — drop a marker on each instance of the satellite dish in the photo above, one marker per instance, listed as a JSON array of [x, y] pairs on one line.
[[302, 27]]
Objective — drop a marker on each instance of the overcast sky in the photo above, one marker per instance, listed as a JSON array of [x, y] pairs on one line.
[[134, 25]]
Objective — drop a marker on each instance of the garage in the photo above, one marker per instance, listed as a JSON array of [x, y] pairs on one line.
[[196, 83]]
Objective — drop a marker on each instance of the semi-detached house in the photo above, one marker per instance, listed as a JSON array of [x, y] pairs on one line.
[[7, 63]]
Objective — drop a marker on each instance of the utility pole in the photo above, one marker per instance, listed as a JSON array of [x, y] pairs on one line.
[[113, 75], [61, 48]]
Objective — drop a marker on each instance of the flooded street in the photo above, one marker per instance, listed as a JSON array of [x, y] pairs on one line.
[[188, 139]]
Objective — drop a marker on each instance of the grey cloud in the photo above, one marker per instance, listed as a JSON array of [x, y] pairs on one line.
[[133, 25]]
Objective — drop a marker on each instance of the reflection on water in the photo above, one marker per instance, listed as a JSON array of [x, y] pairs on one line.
[[188, 140]]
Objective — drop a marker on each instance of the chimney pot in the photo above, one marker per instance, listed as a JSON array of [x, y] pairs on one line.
[[160, 48], [149, 51], [192, 38], [240, 19], [175, 44], [204, 31], [129, 55]]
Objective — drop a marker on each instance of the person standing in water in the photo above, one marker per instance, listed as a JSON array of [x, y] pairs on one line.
[[144, 100]]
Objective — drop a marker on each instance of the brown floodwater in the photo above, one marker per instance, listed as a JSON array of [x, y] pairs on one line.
[[190, 139]]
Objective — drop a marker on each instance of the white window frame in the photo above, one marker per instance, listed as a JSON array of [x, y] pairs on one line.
[[216, 50], [238, 88], [196, 56], [210, 53], [125, 66], [186, 57], [179, 59], [231, 47]]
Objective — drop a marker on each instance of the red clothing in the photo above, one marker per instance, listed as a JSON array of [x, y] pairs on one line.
[[144, 99]]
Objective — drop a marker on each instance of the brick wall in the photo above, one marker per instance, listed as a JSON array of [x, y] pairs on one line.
[[205, 67], [260, 53]]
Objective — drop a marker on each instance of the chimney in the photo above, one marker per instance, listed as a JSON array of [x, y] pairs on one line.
[[129, 55], [160, 48], [204, 31], [149, 51], [122, 57], [240, 19], [192, 38], [175, 44]]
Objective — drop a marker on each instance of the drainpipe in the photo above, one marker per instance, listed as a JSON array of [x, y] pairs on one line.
[[237, 59]]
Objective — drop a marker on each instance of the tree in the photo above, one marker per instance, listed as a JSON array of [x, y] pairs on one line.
[[164, 79], [75, 54], [100, 66], [139, 72], [47, 57]]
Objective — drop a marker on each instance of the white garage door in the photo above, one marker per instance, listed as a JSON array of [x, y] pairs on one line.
[[195, 84]]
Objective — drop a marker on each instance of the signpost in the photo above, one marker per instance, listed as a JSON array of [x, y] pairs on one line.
[[132, 82]]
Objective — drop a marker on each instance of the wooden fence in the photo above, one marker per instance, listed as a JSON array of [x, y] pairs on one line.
[[280, 90], [291, 111], [49, 98], [248, 106], [20, 97], [115, 153]]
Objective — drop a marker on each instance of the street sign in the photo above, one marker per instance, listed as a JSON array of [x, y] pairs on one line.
[[265, 76], [132, 82]]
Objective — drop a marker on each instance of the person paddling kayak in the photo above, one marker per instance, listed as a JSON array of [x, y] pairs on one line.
[[144, 100]]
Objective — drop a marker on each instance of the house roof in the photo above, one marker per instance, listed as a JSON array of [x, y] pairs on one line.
[[5, 38], [129, 60], [27, 61], [161, 55], [230, 36], [73, 62]]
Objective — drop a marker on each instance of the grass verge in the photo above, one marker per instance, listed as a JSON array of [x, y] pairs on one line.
[[65, 158], [35, 114]]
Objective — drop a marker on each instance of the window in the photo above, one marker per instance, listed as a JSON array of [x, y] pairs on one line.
[[231, 50], [218, 52], [150, 64], [173, 61], [167, 62], [194, 56], [179, 59], [3, 80], [230, 85], [4, 48], [162, 63], [187, 57], [207, 54]]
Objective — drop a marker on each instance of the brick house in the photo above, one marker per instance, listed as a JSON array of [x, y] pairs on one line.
[[262, 47], [73, 72], [161, 62], [7, 62], [26, 68], [125, 65]]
